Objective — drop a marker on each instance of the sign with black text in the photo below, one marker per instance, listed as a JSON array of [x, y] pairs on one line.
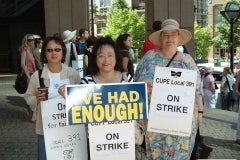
[[109, 111], [172, 101], [112, 140], [62, 142]]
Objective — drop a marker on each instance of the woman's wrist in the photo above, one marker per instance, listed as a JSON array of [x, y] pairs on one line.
[[201, 112]]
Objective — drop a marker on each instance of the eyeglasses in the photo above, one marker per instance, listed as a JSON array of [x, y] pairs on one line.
[[30, 40], [55, 50]]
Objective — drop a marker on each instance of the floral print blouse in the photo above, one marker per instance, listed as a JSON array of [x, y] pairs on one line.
[[164, 146]]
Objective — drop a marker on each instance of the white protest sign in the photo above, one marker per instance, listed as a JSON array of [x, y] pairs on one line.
[[62, 142], [112, 140], [172, 101], [79, 65]]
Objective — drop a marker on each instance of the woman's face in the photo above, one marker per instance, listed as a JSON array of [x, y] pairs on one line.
[[106, 58], [169, 38], [128, 42], [30, 41], [54, 53]]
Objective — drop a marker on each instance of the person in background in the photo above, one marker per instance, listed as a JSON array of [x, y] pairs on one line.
[[57, 35], [81, 44], [148, 45], [27, 58], [227, 78], [54, 75], [160, 145], [124, 42], [237, 92], [37, 53], [69, 37], [209, 89], [91, 41], [27, 62], [105, 52]]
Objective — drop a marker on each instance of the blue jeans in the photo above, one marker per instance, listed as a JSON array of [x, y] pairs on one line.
[[41, 148]]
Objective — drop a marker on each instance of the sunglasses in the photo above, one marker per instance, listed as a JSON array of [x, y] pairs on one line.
[[30, 40], [55, 50]]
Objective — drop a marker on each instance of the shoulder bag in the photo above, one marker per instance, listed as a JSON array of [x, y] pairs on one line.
[[21, 82], [231, 93]]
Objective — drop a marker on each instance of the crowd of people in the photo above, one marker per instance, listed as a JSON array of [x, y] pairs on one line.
[[109, 61]]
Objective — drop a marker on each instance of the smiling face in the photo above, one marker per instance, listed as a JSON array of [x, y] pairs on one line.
[[54, 52], [106, 58], [128, 42], [169, 38]]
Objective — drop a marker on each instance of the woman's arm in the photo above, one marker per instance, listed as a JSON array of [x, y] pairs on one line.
[[125, 63], [237, 85], [75, 51], [24, 63], [200, 110]]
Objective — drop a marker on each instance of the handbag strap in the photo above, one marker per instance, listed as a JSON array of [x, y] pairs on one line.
[[40, 79], [228, 83], [171, 59]]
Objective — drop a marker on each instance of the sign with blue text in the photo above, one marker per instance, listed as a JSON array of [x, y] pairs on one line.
[[172, 101], [96, 103], [61, 141]]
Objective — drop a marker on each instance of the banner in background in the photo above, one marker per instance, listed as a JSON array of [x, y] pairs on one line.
[[79, 65]]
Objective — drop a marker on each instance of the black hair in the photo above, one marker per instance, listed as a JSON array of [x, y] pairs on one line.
[[37, 41], [57, 40], [120, 40], [81, 31], [157, 25], [91, 41], [103, 41]]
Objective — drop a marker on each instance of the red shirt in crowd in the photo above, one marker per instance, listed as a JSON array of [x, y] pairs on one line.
[[148, 45]]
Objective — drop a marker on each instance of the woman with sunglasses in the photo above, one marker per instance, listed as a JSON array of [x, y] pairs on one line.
[[54, 75], [27, 58], [27, 61]]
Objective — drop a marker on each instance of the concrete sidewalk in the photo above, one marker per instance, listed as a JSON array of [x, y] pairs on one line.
[[18, 139]]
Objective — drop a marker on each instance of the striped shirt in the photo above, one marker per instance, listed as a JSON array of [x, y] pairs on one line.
[[88, 79]]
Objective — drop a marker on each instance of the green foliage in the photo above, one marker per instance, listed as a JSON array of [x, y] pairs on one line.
[[202, 41], [222, 31], [119, 4], [120, 21], [222, 39]]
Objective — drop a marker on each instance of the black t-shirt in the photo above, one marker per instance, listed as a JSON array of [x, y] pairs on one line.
[[125, 53]]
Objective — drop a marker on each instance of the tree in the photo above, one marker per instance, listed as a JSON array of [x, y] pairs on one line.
[[202, 41], [120, 4], [122, 20], [222, 32]]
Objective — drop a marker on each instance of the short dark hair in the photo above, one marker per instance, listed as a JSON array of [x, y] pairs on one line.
[[157, 25], [81, 31], [37, 41], [93, 68], [57, 40]]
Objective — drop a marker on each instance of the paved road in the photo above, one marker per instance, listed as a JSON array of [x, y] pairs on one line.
[[18, 139]]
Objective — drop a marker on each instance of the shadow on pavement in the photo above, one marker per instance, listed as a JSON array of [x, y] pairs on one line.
[[16, 101], [227, 144], [16, 109]]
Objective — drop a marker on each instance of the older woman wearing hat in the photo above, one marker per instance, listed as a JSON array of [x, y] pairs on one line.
[[68, 38], [160, 145]]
